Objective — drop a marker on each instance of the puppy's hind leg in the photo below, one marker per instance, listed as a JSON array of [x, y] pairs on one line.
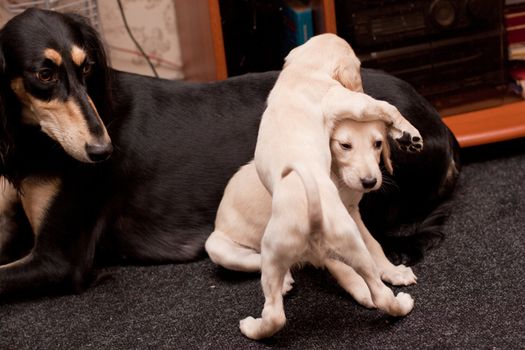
[[278, 253], [231, 255]]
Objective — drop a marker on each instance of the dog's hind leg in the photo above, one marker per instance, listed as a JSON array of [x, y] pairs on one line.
[[231, 255], [282, 244], [227, 253], [275, 266]]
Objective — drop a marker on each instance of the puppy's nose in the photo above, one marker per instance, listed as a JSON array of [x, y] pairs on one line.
[[98, 152], [368, 182]]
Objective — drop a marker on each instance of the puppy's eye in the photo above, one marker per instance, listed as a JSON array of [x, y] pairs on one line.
[[46, 75], [86, 68], [378, 144], [346, 146]]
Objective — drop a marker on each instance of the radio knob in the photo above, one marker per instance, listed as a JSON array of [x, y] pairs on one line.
[[443, 13]]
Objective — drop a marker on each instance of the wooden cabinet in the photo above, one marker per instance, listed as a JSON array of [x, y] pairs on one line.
[[204, 59]]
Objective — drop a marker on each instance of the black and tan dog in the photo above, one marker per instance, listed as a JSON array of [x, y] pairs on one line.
[[131, 168]]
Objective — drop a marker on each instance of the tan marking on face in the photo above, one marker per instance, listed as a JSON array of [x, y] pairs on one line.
[[37, 196], [53, 55], [62, 121], [78, 55]]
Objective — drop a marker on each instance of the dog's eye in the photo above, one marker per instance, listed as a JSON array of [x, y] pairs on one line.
[[86, 69], [378, 144], [46, 75], [346, 146]]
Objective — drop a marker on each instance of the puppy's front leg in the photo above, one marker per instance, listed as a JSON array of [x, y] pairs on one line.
[[399, 275], [343, 238], [350, 281], [340, 103]]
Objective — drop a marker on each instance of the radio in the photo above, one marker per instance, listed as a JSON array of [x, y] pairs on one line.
[[442, 47]]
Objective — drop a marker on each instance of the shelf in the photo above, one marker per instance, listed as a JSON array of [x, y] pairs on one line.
[[488, 125]]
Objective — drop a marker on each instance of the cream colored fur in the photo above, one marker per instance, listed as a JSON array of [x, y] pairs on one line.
[[356, 149], [294, 135]]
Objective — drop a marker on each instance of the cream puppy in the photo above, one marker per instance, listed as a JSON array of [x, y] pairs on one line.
[[245, 209], [292, 158]]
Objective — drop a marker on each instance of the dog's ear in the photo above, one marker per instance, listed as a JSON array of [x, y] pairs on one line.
[[348, 72], [292, 55], [387, 160]]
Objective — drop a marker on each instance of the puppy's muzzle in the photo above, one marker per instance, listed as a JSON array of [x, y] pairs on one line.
[[98, 152]]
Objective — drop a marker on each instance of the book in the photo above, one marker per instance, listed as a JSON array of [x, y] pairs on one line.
[[298, 23]]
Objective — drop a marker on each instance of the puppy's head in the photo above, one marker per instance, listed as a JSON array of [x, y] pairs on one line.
[[331, 54], [54, 68], [357, 148]]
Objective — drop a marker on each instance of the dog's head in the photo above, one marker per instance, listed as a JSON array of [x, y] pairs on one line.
[[54, 75], [357, 149], [330, 54]]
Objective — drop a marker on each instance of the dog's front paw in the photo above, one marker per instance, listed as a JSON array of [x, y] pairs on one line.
[[409, 141], [399, 275]]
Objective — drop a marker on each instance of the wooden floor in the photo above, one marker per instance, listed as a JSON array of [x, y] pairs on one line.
[[488, 125]]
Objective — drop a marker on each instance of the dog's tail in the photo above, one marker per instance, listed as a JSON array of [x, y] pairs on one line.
[[315, 212]]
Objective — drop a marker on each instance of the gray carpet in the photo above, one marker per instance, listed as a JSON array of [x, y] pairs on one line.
[[470, 293]]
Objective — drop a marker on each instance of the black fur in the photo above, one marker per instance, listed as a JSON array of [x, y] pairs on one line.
[[176, 145]]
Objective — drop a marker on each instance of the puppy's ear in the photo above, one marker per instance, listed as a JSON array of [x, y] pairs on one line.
[[387, 161], [292, 55], [348, 72]]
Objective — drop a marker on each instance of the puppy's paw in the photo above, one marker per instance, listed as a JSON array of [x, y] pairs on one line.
[[358, 289], [405, 305], [256, 328], [364, 298], [287, 283], [411, 142], [399, 275], [251, 327]]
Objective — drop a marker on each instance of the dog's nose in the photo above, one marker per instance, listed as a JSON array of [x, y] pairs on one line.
[[98, 152], [369, 182]]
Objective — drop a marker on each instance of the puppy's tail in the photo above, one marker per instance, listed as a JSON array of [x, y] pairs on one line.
[[315, 212]]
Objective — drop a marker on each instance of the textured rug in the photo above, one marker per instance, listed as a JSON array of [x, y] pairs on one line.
[[470, 292]]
